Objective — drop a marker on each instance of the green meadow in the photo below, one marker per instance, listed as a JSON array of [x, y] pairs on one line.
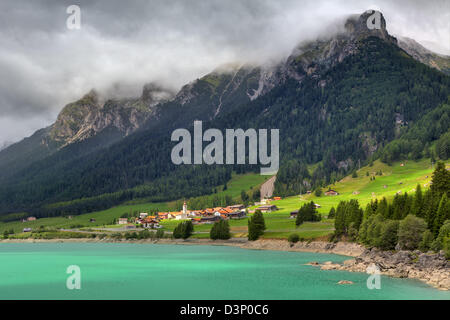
[[400, 177]]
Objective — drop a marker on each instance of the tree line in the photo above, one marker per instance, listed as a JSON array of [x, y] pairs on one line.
[[418, 221]]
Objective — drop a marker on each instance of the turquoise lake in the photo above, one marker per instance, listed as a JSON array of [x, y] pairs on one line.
[[162, 272]]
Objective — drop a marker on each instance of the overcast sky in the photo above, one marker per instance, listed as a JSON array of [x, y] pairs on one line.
[[125, 44]]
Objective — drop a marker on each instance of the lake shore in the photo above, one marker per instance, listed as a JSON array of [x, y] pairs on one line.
[[340, 248], [433, 269]]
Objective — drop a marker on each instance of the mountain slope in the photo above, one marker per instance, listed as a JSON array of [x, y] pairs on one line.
[[222, 91], [420, 53], [337, 101]]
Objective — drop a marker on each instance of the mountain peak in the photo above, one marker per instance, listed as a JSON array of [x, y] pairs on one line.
[[370, 23]]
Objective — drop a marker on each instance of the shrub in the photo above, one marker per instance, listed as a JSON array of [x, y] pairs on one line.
[[294, 238], [159, 234], [318, 192], [410, 232]]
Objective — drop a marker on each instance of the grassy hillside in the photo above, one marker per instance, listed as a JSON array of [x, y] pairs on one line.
[[395, 178]]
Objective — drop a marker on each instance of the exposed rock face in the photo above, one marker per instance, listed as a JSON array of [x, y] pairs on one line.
[[420, 53], [89, 116], [357, 26], [433, 269]]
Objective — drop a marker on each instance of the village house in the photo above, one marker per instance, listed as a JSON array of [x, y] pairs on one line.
[[27, 230], [294, 214], [31, 219], [331, 193], [143, 215], [163, 215], [276, 198], [123, 221], [237, 215], [210, 219], [237, 207], [208, 215], [267, 208], [150, 223], [194, 214], [196, 220]]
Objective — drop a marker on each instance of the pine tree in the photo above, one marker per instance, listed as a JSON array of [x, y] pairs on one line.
[[332, 213], [427, 240], [339, 222], [256, 226], [443, 214], [383, 208], [389, 235], [224, 230], [220, 230], [188, 229], [417, 207], [441, 180]]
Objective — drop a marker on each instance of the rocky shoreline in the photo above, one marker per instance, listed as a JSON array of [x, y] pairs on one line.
[[433, 269]]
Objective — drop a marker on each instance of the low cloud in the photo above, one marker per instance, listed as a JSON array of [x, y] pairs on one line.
[[125, 44]]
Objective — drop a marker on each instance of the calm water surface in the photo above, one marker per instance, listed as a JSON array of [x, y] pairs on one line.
[[142, 271]]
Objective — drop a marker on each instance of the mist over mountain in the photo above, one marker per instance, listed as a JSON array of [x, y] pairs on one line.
[[121, 47], [351, 97]]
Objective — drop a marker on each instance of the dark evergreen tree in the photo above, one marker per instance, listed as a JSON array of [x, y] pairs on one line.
[[256, 226], [307, 212], [441, 181], [417, 207], [443, 214], [389, 235], [332, 213]]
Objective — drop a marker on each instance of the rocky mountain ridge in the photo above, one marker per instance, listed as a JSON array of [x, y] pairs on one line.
[[228, 86]]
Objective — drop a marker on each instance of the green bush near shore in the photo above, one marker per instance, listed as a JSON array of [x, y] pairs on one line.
[[294, 238]]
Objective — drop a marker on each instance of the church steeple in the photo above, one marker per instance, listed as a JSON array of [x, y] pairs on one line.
[[185, 208]]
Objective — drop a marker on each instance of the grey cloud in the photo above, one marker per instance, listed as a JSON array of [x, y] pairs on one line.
[[129, 43]]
